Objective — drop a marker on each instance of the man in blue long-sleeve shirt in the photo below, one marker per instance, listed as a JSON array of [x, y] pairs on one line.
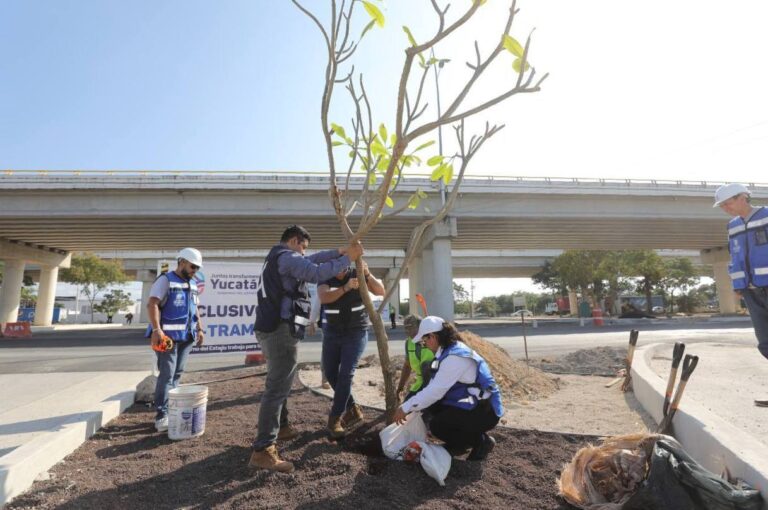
[[281, 316]]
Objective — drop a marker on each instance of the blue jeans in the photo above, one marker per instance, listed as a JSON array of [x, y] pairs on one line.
[[757, 304], [281, 350], [171, 366], [341, 352]]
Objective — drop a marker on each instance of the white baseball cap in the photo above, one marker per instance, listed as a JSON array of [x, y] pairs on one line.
[[727, 191], [429, 324]]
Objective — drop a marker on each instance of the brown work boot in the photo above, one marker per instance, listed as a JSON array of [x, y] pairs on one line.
[[287, 433], [353, 416], [335, 428], [268, 458]]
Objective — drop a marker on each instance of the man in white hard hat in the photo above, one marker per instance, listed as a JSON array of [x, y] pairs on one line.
[[748, 246], [173, 313]]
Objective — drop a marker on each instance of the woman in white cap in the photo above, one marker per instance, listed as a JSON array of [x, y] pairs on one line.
[[462, 394]]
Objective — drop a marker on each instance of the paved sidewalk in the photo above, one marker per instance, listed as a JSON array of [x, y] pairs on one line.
[[44, 417]]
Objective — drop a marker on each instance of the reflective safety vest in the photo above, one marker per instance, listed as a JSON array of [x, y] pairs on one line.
[[467, 396], [178, 311], [270, 294], [419, 358], [748, 245], [347, 312]]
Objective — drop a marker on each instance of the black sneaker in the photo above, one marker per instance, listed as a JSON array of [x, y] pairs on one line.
[[481, 452]]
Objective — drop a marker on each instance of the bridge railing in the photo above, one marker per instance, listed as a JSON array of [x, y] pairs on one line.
[[10, 175]]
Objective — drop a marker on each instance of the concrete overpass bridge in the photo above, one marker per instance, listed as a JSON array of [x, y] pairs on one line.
[[62, 212]]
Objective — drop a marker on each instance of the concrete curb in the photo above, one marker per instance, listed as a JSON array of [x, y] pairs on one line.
[[19, 468], [707, 437]]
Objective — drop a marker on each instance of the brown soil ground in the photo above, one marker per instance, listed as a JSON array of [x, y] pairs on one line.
[[604, 361], [127, 465]]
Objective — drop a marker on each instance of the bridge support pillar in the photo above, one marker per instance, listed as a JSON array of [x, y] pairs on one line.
[[147, 278], [10, 293], [437, 269], [719, 258], [46, 295], [725, 295]]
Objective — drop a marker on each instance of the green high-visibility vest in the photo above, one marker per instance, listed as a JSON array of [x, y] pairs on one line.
[[418, 357]]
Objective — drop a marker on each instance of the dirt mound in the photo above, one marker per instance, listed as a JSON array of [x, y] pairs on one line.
[[515, 378], [606, 361]]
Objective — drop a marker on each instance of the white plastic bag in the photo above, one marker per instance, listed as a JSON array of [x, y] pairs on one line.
[[436, 461], [396, 437]]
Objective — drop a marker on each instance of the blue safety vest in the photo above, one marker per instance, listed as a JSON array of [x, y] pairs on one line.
[[178, 313], [748, 245], [270, 294], [468, 395]]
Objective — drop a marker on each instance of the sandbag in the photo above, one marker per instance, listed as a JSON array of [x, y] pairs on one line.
[[394, 438], [435, 460]]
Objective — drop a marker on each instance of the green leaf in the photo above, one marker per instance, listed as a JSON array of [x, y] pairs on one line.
[[383, 165], [371, 179], [383, 132], [374, 12], [377, 149], [410, 36], [367, 28], [518, 63], [437, 173], [336, 143], [338, 130], [414, 201], [424, 145], [435, 160], [448, 175], [393, 139], [512, 46], [390, 203], [421, 194]]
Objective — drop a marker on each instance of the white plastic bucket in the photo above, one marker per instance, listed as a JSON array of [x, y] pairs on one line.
[[186, 411]]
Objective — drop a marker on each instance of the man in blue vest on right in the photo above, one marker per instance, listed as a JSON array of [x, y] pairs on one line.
[[282, 315], [748, 246]]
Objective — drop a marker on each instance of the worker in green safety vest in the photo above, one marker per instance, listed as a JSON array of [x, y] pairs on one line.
[[417, 359]]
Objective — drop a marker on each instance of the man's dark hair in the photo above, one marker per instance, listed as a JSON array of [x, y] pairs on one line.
[[295, 231], [447, 336]]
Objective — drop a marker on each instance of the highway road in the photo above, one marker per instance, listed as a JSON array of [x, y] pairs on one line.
[[126, 349]]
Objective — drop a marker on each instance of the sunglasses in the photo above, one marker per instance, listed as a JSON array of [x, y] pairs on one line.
[[194, 267]]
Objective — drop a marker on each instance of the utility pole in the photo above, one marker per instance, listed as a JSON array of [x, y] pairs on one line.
[[436, 68], [471, 298]]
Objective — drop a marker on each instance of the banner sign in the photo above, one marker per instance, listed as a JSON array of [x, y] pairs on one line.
[[228, 306]]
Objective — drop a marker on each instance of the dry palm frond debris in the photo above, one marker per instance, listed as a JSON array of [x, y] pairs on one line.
[[604, 477]]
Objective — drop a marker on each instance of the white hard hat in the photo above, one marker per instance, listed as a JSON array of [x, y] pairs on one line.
[[429, 324], [191, 255], [727, 191]]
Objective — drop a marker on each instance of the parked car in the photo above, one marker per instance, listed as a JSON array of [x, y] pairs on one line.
[[525, 313], [657, 309]]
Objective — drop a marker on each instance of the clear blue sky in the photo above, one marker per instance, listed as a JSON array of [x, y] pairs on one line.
[[110, 84], [658, 89]]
